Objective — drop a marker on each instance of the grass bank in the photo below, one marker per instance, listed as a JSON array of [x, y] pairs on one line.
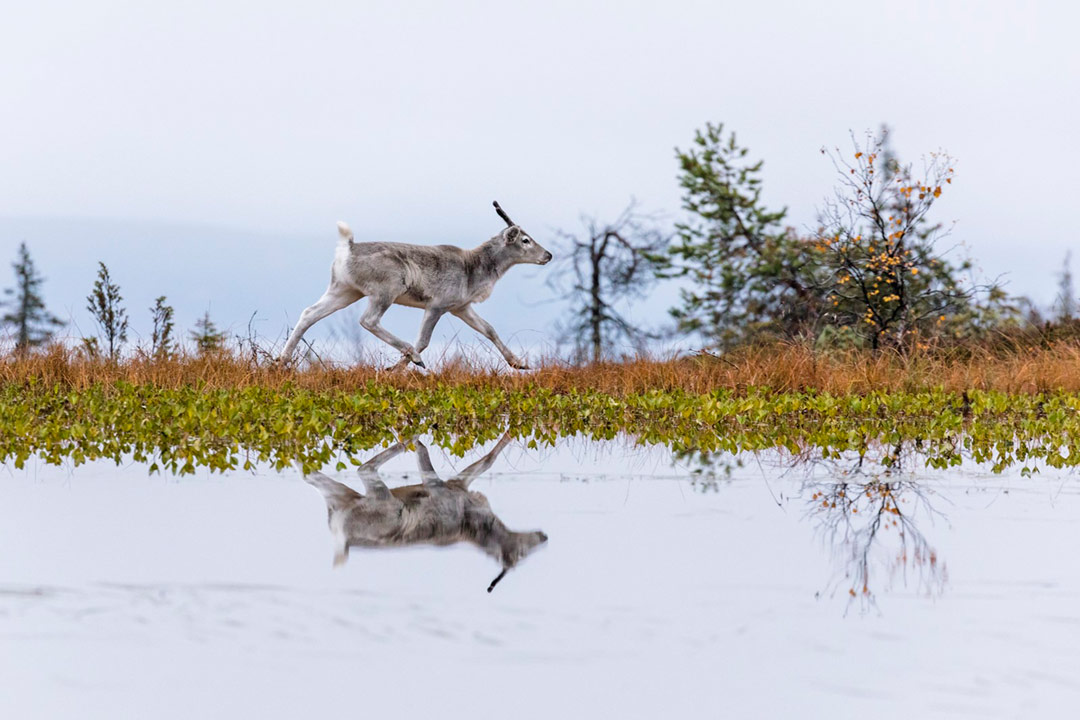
[[1050, 367]]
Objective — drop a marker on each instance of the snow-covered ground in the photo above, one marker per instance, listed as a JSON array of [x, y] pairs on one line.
[[128, 596]]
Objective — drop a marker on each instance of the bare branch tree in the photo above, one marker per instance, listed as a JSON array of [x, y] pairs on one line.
[[606, 266]]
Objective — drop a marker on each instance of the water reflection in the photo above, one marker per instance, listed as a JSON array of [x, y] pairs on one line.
[[868, 508], [658, 579], [434, 512], [870, 515], [871, 523]]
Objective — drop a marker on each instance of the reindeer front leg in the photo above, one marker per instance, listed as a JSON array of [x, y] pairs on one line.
[[482, 326], [377, 307]]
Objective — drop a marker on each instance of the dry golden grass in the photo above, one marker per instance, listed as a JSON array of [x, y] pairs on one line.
[[780, 366]]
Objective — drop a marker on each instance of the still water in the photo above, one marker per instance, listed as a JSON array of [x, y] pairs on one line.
[[635, 586]]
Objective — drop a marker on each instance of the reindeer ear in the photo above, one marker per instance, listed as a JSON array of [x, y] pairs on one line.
[[513, 233]]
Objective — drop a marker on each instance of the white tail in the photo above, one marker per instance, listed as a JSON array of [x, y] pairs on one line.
[[346, 233]]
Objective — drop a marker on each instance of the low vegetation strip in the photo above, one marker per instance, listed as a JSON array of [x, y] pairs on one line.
[[179, 429], [1019, 365]]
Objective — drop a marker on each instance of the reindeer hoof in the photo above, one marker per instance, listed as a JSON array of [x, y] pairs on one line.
[[420, 363]]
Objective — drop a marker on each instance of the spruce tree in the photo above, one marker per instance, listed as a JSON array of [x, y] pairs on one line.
[[208, 339], [26, 315]]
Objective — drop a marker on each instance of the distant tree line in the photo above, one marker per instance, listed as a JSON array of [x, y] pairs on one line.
[[32, 326]]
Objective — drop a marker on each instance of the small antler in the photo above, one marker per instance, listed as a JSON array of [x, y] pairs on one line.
[[497, 580], [502, 214]]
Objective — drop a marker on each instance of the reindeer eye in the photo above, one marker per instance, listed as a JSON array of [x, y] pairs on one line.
[[526, 241]]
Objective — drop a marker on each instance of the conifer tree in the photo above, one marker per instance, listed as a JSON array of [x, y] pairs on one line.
[[26, 315], [208, 339], [744, 266]]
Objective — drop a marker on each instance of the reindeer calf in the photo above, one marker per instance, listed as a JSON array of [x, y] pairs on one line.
[[439, 279]]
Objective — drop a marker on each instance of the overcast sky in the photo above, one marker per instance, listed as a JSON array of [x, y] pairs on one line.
[[205, 149]]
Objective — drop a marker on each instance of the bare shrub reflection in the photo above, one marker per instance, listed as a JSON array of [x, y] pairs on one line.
[[867, 506], [871, 524]]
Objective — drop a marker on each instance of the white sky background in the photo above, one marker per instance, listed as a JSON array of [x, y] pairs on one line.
[[204, 150]]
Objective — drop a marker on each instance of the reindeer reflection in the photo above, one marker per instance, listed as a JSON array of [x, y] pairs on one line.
[[433, 512]]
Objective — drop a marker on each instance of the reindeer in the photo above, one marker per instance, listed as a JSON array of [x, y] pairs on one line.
[[439, 279], [431, 513]]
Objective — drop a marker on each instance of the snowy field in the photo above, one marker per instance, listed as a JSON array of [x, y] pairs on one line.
[[128, 596]]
